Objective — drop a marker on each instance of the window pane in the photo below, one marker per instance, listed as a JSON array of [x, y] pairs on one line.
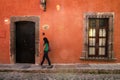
[[102, 32], [91, 51], [92, 41], [101, 51], [102, 41], [103, 22], [91, 32], [92, 22]]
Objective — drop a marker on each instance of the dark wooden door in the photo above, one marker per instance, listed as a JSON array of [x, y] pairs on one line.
[[25, 42]]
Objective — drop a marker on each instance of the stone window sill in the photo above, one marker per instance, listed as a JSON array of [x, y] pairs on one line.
[[96, 58]]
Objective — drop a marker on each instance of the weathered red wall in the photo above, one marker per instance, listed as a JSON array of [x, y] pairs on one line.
[[65, 31]]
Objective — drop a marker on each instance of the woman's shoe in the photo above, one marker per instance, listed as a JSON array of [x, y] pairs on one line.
[[50, 66]]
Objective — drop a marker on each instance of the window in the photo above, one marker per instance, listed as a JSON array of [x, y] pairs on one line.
[[98, 37]]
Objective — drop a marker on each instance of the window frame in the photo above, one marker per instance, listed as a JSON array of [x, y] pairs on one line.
[[97, 37], [85, 54]]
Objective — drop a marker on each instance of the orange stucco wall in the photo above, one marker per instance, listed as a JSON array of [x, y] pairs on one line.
[[66, 26]]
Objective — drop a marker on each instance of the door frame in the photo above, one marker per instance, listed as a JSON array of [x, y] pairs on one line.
[[14, 19]]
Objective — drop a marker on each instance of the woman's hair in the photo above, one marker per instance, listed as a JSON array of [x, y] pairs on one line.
[[45, 40]]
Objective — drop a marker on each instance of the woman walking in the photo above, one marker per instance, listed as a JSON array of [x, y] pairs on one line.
[[46, 50]]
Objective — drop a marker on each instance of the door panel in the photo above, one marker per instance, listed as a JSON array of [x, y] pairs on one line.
[[25, 42]]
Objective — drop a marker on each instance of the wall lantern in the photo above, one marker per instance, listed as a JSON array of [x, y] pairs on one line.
[[43, 4]]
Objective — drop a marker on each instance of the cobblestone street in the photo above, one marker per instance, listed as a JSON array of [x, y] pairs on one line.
[[60, 72], [56, 76]]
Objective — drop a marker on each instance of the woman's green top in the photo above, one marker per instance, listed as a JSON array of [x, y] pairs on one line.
[[46, 47]]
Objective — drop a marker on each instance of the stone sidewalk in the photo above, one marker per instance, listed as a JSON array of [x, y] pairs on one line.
[[63, 68]]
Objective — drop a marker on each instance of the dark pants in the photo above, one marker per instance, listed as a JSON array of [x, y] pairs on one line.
[[46, 56]]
